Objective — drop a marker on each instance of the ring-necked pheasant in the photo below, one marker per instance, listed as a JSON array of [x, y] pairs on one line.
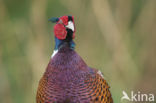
[[67, 78]]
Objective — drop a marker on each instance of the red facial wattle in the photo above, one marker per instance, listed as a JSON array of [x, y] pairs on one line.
[[60, 31], [64, 20], [60, 28]]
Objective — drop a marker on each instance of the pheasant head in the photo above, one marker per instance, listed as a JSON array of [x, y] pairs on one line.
[[64, 31]]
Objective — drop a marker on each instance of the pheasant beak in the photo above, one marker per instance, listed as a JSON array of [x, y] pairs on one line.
[[54, 19], [70, 25]]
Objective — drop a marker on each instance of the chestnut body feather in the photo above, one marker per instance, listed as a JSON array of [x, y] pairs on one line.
[[68, 79]]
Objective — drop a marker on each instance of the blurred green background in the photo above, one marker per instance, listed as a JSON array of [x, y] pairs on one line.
[[116, 36]]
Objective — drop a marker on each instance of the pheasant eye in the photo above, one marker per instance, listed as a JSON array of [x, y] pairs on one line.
[[70, 25], [60, 21]]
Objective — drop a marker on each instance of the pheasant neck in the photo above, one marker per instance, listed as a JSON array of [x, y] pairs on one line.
[[60, 43]]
